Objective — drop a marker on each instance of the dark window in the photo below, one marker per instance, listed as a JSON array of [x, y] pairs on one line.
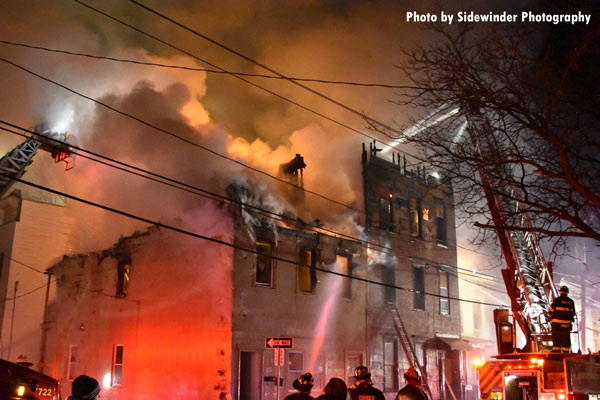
[[385, 213], [440, 221], [122, 279], [388, 275], [343, 266], [72, 371], [117, 367], [263, 274], [419, 288], [415, 218], [307, 273], [390, 364], [444, 292]]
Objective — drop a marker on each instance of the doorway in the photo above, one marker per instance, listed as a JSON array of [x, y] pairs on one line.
[[250, 375]]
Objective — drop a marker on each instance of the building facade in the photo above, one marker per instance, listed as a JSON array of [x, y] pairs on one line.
[[149, 318]]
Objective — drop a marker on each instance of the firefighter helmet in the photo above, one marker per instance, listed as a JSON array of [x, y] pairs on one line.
[[361, 373], [85, 387], [564, 289], [412, 375], [304, 383]]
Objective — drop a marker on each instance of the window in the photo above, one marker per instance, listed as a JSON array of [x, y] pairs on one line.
[[307, 276], [72, 365], [440, 221], [122, 280], [390, 364], [263, 274], [388, 276], [444, 292], [415, 217], [353, 360], [419, 288], [117, 366], [343, 266], [386, 219]]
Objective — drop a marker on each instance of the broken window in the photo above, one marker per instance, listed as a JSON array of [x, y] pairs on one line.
[[444, 291], [390, 364], [122, 279], [72, 372], [385, 213], [419, 288], [440, 220], [263, 274], [388, 276], [415, 218], [307, 273], [343, 266], [117, 366]]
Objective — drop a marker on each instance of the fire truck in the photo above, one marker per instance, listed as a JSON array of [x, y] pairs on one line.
[[531, 372], [19, 382]]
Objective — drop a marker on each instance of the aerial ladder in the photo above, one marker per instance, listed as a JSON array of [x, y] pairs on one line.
[[532, 372], [14, 163]]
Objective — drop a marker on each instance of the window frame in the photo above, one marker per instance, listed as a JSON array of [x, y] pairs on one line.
[[312, 270], [271, 244], [347, 283], [394, 364], [71, 365], [418, 225], [421, 295], [441, 234], [114, 365], [443, 271], [389, 293]]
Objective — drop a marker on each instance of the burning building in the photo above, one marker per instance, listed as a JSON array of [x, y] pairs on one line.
[[163, 314], [149, 317]]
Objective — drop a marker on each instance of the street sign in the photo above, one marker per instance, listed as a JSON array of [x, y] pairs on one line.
[[285, 342]]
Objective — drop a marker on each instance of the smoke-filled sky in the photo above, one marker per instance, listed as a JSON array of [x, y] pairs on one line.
[[359, 41]]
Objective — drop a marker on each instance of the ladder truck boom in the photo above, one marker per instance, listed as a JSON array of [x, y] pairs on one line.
[[14, 163]]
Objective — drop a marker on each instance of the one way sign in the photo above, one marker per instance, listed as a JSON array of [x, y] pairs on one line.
[[279, 342]]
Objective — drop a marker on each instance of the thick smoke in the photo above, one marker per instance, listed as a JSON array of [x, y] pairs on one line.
[[216, 111]]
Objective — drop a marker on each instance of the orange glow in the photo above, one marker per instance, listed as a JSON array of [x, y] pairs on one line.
[[509, 366], [20, 391], [477, 362]]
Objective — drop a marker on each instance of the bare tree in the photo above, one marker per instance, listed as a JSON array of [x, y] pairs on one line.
[[517, 104]]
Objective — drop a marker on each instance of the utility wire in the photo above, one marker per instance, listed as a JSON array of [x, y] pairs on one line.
[[245, 80], [214, 196], [271, 70], [167, 132], [214, 71], [228, 244]]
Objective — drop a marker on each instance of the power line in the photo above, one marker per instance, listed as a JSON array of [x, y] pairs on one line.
[[214, 196], [167, 132], [23, 264], [271, 70], [214, 71], [228, 244], [245, 80]]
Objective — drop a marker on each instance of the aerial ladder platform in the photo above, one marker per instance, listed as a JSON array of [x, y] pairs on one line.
[[14, 163]]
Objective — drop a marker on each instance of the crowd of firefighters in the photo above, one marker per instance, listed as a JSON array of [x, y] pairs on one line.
[[362, 389]]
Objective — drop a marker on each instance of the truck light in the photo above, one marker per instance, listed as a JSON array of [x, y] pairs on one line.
[[533, 360], [20, 391], [477, 363], [561, 396], [540, 362]]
